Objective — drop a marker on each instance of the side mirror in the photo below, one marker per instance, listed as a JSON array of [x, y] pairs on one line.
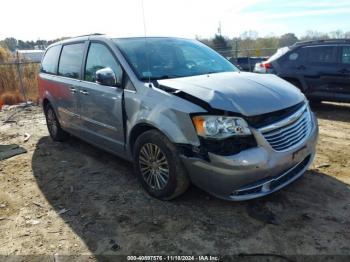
[[106, 77]]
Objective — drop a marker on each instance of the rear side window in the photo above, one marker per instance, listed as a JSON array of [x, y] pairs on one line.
[[49, 63], [100, 57], [345, 57], [71, 60], [293, 56], [320, 54]]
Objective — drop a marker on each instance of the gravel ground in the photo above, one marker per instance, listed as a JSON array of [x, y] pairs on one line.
[[73, 199]]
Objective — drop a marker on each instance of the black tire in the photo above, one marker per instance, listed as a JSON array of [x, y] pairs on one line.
[[177, 180], [53, 125]]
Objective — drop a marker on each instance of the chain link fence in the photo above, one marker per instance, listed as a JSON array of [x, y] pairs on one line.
[[231, 53], [18, 82]]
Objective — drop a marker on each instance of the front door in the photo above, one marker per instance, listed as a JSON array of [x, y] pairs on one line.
[[101, 106]]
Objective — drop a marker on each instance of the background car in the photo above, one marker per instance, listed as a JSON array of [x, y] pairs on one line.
[[248, 63], [321, 69]]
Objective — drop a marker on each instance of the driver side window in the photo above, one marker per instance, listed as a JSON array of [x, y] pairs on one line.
[[100, 57]]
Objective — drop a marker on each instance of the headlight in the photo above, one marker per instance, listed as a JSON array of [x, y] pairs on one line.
[[220, 126]]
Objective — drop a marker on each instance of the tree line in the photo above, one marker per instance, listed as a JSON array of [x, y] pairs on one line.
[[248, 43], [13, 44]]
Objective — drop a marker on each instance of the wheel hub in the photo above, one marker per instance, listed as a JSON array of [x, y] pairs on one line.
[[154, 166]]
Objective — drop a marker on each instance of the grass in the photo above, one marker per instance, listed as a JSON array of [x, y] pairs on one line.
[[10, 88]]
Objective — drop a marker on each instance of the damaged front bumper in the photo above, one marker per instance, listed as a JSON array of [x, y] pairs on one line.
[[254, 172]]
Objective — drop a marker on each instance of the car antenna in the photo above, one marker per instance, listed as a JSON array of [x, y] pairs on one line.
[[146, 44]]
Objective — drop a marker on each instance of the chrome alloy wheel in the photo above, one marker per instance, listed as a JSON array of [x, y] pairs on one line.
[[51, 122], [154, 166]]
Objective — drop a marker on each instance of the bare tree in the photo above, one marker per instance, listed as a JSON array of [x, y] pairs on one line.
[[314, 35], [336, 34], [287, 40]]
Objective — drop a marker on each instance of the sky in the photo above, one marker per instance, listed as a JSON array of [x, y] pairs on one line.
[[51, 19]]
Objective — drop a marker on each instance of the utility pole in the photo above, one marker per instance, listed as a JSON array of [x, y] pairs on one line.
[[219, 29], [236, 42], [20, 77]]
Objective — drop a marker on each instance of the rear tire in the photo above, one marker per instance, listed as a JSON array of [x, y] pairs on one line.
[[158, 166], [53, 125]]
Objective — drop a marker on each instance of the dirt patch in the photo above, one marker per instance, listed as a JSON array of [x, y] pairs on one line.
[[73, 199]]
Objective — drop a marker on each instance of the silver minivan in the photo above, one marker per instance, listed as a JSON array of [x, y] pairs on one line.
[[181, 112]]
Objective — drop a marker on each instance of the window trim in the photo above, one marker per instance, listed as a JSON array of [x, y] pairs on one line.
[[59, 60]]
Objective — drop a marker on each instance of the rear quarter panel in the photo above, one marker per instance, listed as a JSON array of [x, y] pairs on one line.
[[50, 89]]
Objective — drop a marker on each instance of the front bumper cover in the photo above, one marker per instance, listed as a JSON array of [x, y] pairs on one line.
[[229, 177]]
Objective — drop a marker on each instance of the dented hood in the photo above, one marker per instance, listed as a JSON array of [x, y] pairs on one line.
[[246, 93]]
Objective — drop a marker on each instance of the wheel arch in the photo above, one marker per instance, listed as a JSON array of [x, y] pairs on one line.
[[48, 99], [136, 131], [45, 102]]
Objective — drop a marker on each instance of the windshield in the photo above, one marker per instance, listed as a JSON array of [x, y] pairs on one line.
[[161, 58]]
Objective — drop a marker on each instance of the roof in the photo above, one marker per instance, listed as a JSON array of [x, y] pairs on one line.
[[103, 36], [31, 55], [77, 38], [322, 41]]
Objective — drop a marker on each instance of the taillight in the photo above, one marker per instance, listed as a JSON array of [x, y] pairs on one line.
[[266, 65]]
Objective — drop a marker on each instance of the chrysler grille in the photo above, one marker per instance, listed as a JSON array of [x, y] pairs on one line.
[[289, 132]]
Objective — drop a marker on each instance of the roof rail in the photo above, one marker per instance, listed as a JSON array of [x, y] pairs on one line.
[[68, 39], [87, 35], [341, 40]]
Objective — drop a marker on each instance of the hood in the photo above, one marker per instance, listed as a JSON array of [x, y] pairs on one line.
[[246, 93]]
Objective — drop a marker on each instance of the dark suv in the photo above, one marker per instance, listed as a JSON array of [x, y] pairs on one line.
[[248, 63], [321, 69]]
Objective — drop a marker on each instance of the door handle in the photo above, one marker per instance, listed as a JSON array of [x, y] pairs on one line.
[[84, 92], [301, 67], [72, 90]]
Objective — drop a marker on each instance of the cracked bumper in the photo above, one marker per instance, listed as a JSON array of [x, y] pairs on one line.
[[252, 173]]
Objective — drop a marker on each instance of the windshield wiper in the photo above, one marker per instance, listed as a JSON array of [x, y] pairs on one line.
[[159, 77]]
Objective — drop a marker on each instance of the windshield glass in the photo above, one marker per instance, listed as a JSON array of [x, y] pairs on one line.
[[160, 58]]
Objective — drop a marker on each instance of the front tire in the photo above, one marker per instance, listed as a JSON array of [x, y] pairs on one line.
[[53, 125], [158, 166]]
